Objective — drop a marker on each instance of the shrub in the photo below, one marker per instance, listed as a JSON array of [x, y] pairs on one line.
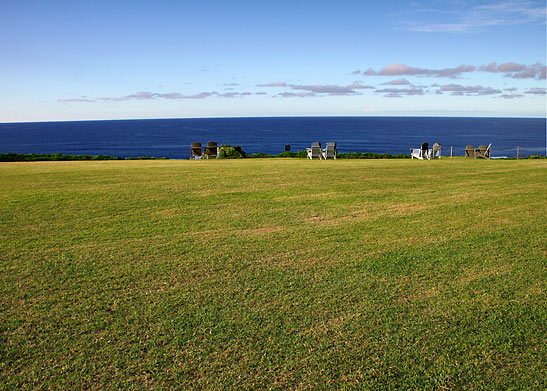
[[286, 154], [259, 155], [299, 154], [228, 152], [372, 155], [146, 158], [20, 157]]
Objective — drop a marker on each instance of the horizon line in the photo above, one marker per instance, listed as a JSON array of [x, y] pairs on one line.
[[282, 116]]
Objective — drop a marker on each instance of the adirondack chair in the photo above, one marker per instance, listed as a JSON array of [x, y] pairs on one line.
[[483, 151], [421, 153], [315, 151], [195, 151], [212, 150], [330, 151], [469, 151], [436, 151]]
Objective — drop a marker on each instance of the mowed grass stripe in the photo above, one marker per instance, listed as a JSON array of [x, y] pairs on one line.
[[273, 274]]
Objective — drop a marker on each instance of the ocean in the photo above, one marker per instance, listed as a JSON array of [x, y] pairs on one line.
[[171, 138]]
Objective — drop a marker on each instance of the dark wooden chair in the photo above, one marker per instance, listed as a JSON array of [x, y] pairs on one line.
[[483, 151], [469, 151], [195, 151], [211, 149]]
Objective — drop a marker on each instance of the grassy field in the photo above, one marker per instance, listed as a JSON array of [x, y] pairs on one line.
[[274, 274]]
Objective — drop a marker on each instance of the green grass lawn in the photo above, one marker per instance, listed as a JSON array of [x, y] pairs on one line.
[[274, 274]]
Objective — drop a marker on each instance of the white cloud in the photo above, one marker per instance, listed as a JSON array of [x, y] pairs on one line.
[[517, 71], [274, 84], [537, 91], [328, 89], [460, 90], [75, 100], [511, 96], [397, 82], [294, 95], [397, 69], [146, 95], [399, 92]]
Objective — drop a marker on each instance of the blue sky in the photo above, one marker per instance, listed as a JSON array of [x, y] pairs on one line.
[[80, 60]]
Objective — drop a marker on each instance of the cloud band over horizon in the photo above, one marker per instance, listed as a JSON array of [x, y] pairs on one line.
[[397, 87], [513, 70]]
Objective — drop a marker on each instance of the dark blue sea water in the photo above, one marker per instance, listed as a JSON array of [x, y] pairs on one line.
[[171, 138]]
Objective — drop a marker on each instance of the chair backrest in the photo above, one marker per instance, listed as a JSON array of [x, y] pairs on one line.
[[469, 151], [316, 149], [211, 149], [330, 150], [488, 150], [195, 149]]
